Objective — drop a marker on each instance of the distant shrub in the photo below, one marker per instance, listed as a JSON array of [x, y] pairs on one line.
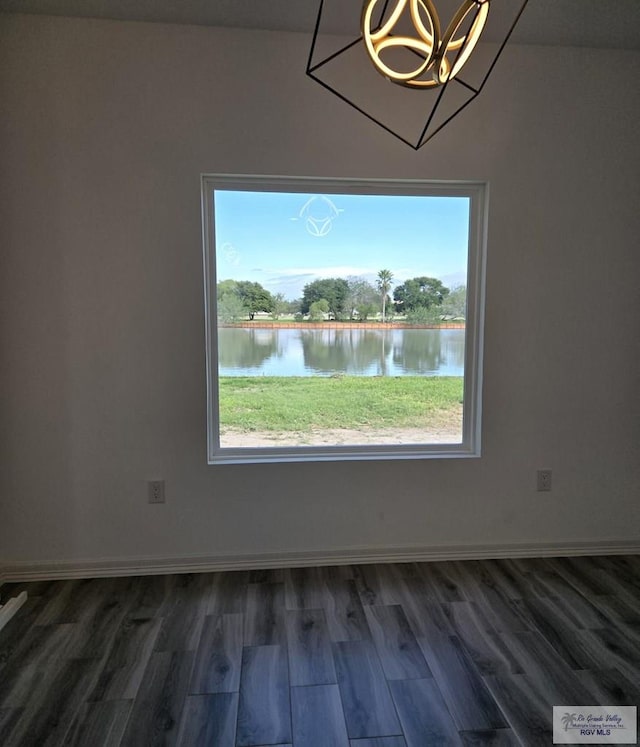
[[423, 315]]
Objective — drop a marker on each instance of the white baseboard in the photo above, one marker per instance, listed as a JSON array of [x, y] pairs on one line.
[[143, 566], [9, 609]]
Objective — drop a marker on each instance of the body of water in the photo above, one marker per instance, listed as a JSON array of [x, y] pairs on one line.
[[357, 352]]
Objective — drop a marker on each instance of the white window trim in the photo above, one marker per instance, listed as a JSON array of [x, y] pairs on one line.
[[471, 427]]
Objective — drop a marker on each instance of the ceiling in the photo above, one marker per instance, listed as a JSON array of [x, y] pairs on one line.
[[611, 24]]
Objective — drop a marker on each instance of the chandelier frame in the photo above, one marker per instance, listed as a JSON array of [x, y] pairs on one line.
[[314, 68]]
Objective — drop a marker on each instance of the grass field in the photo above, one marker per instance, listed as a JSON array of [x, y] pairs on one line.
[[298, 404]]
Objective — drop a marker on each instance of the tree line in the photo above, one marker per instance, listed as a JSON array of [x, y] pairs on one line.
[[419, 299]]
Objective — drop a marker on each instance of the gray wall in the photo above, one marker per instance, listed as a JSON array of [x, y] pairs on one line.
[[104, 130]]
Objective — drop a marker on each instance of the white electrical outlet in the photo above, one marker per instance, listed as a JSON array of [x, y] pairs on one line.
[[544, 480], [155, 491]]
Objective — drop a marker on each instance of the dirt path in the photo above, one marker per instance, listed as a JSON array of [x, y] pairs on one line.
[[339, 437]]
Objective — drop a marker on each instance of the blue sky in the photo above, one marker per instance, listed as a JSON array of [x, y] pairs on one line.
[[286, 240]]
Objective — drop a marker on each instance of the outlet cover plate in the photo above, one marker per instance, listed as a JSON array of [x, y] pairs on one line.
[[544, 480], [155, 491]]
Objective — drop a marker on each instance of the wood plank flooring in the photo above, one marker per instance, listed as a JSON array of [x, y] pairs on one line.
[[398, 655]]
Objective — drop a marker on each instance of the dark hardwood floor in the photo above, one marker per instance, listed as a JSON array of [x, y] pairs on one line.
[[400, 655]]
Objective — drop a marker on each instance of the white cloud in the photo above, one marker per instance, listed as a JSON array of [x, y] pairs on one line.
[[336, 271]]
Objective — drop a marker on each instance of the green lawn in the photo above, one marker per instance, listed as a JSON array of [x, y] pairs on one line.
[[296, 404]]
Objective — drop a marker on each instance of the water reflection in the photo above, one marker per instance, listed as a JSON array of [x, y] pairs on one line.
[[351, 351], [421, 354], [361, 352], [247, 349]]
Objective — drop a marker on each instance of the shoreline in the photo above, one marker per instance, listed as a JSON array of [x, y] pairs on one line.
[[260, 324]]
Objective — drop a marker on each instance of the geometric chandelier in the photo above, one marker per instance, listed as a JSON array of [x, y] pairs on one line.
[[439, 58]]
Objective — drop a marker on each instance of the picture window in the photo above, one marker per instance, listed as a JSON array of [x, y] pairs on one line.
[[343, 318]]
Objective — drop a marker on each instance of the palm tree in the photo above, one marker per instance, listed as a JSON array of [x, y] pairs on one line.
[[385, 278], [568, 720]]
